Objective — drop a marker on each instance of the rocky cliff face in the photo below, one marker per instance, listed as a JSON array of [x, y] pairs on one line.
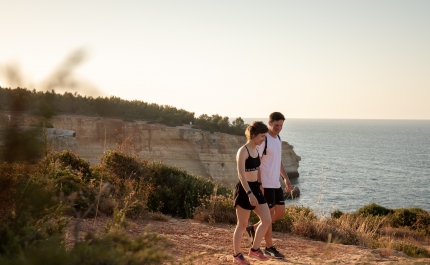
[[198, 152]]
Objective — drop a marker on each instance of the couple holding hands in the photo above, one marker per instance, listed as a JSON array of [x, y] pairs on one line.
[[259, 166]]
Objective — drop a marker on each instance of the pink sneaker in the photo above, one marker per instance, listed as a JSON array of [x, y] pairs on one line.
[[240, 259], [257, 255]]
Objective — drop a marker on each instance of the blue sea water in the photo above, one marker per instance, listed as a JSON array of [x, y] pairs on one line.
[[347, 164]]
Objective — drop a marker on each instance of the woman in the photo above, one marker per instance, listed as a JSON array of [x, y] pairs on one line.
[[248, 195]]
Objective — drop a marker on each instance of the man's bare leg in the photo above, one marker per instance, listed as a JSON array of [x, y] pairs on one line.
[[276, 213]]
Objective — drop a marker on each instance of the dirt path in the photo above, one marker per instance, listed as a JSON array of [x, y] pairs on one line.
[[212, 244]]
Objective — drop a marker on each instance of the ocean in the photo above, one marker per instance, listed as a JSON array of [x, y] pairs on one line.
[[347, 164]]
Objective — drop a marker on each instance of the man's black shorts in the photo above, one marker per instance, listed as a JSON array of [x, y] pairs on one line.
[[274, 196], [240, 197]]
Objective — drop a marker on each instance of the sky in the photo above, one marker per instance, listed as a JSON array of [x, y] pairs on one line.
[[357, 59]]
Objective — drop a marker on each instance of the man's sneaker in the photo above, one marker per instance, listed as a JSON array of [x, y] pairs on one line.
[[273, 253], [251, 232], [257, 254], [240, 259]]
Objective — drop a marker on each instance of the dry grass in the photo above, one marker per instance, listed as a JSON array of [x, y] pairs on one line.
[[348, 229], [216, 209]]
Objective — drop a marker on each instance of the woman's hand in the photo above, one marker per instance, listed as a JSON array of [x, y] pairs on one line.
[[252, 199]]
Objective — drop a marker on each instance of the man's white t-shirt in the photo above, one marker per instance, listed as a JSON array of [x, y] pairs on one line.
[[270, 168]]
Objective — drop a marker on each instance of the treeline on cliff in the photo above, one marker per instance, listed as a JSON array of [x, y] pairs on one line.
[[50, 103]]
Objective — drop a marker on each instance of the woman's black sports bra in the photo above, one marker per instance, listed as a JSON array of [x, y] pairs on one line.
[[252, 163]]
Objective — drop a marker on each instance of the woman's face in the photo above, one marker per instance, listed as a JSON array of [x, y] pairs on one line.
[[259, 138]]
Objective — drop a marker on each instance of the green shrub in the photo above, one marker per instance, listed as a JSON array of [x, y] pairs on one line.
[[68, 159], [72, 180], [373, 209], [114, 247], [32, 224], [124, 166], [422, 224], [80, 194], [21, 145], [336, 214], [413, 218], [174, 192], [31, 214], [406, 217], [411, 250]]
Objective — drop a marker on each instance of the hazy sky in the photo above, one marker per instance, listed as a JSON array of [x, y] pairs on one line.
[[307, 59]]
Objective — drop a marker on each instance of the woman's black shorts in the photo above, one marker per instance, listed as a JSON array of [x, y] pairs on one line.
[[241, 198]]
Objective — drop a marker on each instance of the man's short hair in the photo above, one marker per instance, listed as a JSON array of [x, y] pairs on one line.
[[276, 116]]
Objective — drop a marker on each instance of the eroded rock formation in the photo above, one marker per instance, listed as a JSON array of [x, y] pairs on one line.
[[198, 152]]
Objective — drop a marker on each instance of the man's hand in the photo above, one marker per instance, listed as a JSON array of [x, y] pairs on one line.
[[288, 186]]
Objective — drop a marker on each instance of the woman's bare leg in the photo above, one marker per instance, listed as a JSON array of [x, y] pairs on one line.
[[262, 210], [242, 222]]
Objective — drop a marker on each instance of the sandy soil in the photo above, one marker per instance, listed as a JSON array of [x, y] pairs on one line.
[[212, 244]]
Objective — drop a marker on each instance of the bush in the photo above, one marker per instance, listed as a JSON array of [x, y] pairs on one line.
[[373, 209], [406, 217], [79, 194], [216, 209], [413, 218], [67, 159], [422, 224], [124, 166], [174, 192], [21, 145], [347, 229], [411, 250], [114, 247], [336, 214], [32, 222], [72, 177], [30, 215]]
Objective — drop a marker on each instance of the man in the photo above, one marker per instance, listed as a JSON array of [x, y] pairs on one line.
[[270, 169]]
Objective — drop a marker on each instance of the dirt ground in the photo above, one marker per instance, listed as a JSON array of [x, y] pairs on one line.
[[212, 244]]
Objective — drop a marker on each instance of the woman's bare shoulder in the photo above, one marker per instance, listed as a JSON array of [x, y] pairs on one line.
[[241, 151]]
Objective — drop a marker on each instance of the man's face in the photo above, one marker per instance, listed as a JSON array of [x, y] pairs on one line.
[[276, 126]]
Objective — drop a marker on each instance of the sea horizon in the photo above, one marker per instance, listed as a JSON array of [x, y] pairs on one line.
[[346, 119], [347, 165]]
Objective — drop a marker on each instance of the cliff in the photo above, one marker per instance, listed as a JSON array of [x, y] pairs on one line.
[[198, 152]]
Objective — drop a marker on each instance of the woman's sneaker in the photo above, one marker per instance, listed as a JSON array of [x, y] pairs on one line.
[[272, 252], [240, 259], [257, 254]]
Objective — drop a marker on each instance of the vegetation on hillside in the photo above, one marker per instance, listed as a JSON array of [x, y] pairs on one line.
[[372, 226], [41, 193], [40, 197], [48, 104]]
